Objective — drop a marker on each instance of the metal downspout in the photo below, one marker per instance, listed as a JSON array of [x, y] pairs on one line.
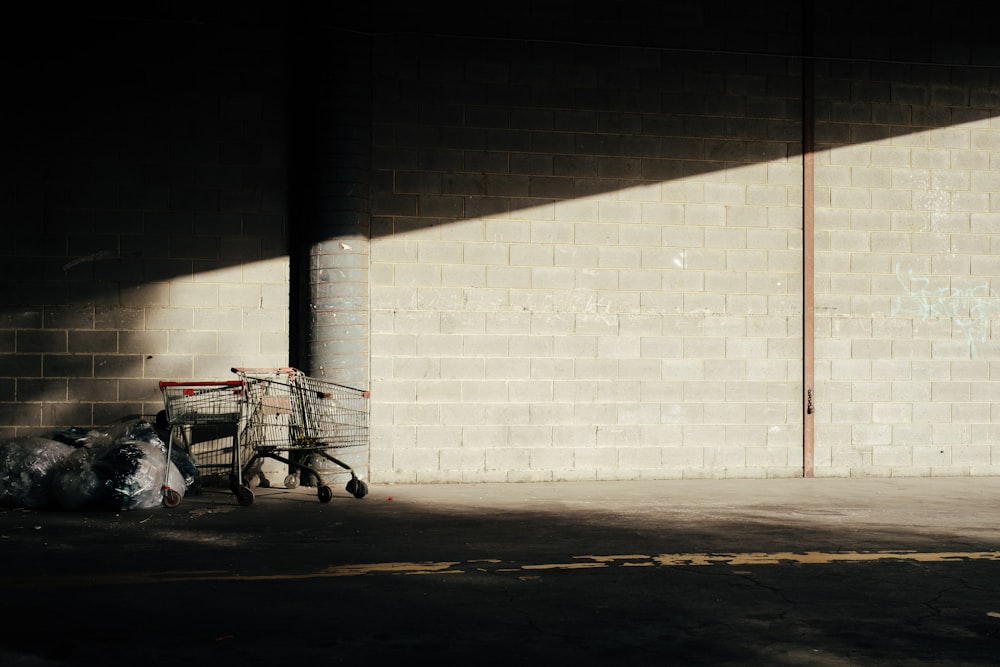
[[808, 244]]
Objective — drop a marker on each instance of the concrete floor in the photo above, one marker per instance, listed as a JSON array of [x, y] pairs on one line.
[[706, 572]]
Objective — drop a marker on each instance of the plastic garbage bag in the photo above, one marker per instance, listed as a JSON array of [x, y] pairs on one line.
[[122, 468], [75, 483], [144, 431], [132, 475], [81, 437], [27, 467]]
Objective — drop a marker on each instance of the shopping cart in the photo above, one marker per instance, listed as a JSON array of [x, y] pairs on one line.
[[301, 421], [216, 404]]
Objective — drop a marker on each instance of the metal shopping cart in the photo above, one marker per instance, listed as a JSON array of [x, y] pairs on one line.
[[301, 421], [209, 406]]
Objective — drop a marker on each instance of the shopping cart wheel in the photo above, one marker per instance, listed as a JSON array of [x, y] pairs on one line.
[[325, 494], [171, 498], [244, 496], [357, 488], [292, 481]]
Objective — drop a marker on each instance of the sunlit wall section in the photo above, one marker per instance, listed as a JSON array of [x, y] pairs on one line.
[[586, 263], [908, 232]]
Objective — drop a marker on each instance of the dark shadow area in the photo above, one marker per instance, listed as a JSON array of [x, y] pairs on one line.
[[112, 131], [148, 143], [144, 144], [496, 583]]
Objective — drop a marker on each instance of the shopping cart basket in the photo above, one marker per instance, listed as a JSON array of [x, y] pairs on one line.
[[202, 403], [291, 417]]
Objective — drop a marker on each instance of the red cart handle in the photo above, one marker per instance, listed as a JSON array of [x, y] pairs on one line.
[[200, 383]]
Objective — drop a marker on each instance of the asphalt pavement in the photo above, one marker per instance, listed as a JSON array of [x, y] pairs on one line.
[[684, 572]]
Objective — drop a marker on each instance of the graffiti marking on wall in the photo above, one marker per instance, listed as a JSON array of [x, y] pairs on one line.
[[970, 309]]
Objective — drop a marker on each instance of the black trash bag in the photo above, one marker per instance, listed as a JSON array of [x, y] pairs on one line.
[[81, 437], [144, 431], [132, 475], [27, 468], [121, 469], [75, 483]]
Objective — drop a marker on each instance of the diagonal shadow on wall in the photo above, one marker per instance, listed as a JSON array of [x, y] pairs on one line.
[[146, 145]]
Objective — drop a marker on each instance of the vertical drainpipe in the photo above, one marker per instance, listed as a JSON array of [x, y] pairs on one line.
[[808, 243]]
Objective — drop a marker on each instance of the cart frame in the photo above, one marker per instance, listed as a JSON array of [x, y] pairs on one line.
[[291, 417], [202, 403]]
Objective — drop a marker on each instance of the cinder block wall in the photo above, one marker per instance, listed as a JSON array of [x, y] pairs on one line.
[[907, 225], [585, 238], [144, 211], [586, 261]]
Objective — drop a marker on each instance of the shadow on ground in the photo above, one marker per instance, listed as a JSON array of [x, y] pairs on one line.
[[635, 574]]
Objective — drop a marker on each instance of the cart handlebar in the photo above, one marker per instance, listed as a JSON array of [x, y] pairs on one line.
[[200, 383], [283, 369], [290, 372]]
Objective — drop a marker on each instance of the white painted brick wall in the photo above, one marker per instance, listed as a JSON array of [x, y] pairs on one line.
[[901, 226], [651, 328]]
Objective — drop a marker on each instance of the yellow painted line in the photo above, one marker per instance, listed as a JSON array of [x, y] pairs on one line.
[[563, 566], [611, 559], [496, 566], [820, 557], [390, 568]]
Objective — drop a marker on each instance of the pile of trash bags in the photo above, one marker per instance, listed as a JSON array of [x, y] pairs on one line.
[[121, 468]]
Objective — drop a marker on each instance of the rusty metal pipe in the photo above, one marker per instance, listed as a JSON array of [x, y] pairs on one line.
[[808, 244]]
